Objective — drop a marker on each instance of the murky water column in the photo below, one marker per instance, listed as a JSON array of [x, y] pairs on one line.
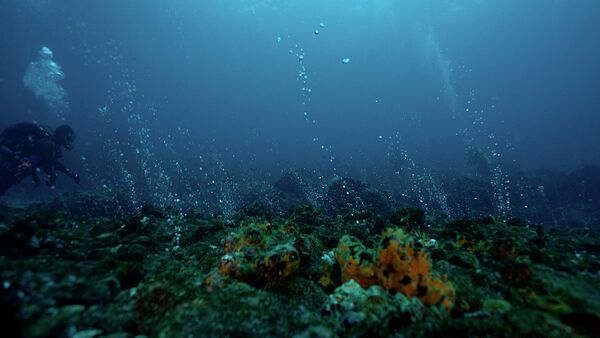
[[500, 184], [306, 94], [135, 157], [444, 67], [224, 188], [131, 153], [146, 164], [158, 183], [111, 167], [122, 175], [477, 133], [430, 193], [187, 194], [120, 100]]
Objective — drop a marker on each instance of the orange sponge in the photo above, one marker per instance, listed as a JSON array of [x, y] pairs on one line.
[[397, 265]]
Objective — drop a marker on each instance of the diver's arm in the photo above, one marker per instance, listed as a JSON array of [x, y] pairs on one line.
[[60, 167], [12, 154], [4, 149]]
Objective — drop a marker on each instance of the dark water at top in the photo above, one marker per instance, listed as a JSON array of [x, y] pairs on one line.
[[181, 100]]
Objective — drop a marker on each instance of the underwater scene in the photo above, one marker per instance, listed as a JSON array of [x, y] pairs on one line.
[[299, 168]]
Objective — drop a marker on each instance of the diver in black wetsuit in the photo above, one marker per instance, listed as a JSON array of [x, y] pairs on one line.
[[27, 148]]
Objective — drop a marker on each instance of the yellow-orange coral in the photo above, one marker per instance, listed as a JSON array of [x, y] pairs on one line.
[[355, 261], [438, 292], [398, 265]]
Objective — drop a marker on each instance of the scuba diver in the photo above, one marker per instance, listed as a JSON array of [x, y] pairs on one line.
[[28, 148]]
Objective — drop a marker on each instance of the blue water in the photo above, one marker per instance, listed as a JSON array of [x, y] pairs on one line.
[[173, 98]]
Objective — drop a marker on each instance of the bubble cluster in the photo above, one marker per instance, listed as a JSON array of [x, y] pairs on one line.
[[43, 78], [476, 133]]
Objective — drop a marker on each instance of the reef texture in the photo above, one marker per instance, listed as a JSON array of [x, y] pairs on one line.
[[307, 273]]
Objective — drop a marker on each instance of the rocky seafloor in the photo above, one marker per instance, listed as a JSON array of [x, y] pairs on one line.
[[303, 273]]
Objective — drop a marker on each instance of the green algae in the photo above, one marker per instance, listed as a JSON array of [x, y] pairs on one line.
[[128, 275]]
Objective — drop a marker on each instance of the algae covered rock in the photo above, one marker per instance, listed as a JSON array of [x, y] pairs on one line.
[[263, 254], [299, 274], [359, 311], [240, 310]]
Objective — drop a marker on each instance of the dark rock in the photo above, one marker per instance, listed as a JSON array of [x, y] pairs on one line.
[[353, 195], [464, 259], [255, 210], [306, 215], [106, 239], [132, 253], [291, 184], [130, 274], [409, 218], [585, 323], [9, 312]]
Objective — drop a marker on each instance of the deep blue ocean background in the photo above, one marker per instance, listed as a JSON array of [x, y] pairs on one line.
[[180, 101]]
